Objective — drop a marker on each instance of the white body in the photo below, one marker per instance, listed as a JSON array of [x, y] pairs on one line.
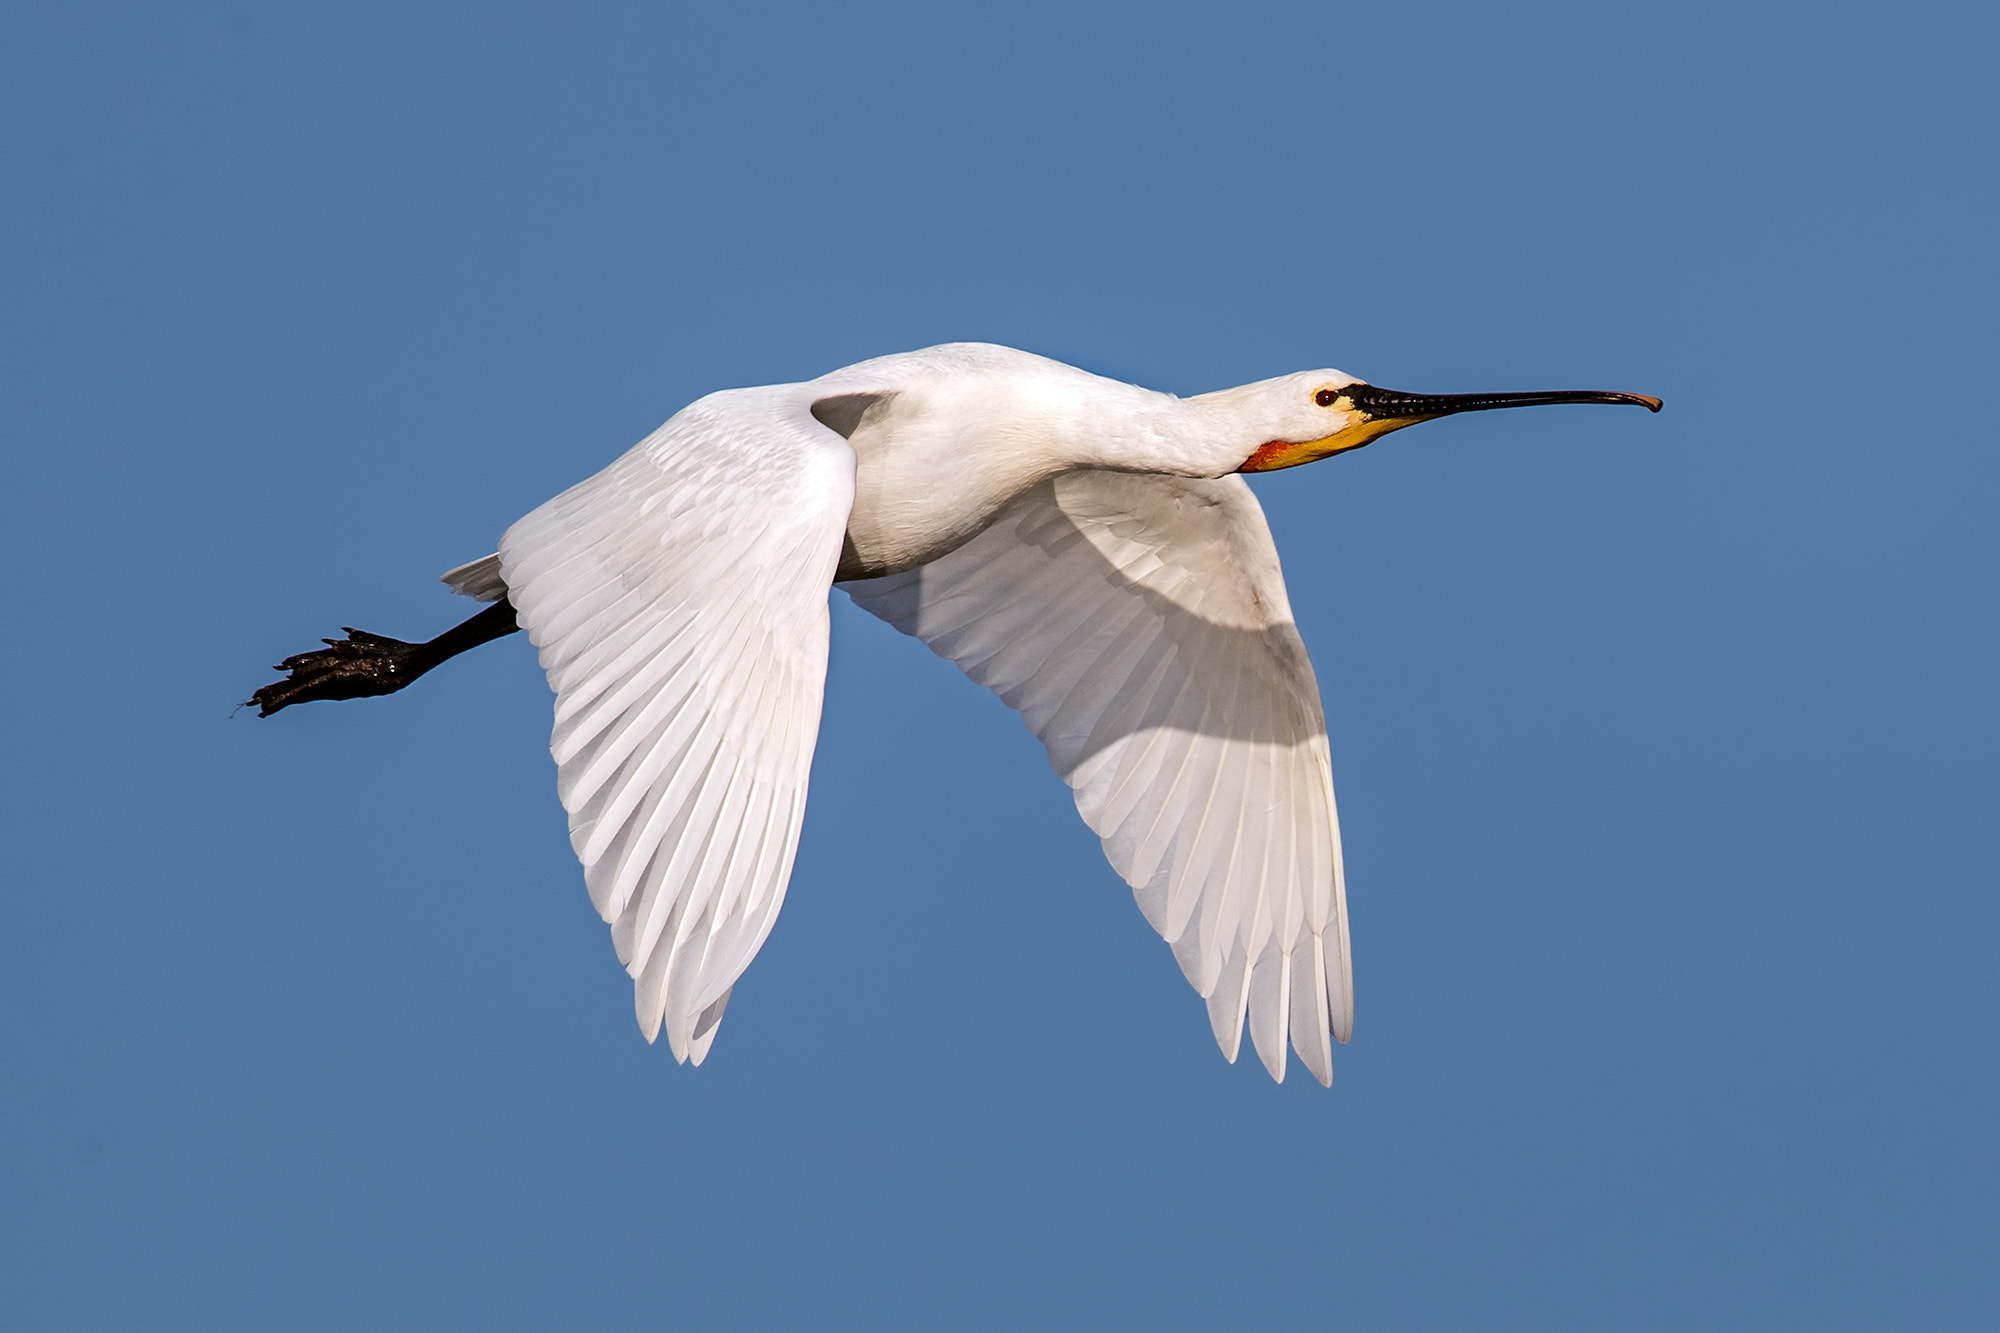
[[1075, 544], [958, 431]]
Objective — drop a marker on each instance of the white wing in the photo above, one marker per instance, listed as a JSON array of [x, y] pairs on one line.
[[679, 600], [1140, 626]]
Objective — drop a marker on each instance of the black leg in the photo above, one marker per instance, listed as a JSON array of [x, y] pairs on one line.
[[365, 664]]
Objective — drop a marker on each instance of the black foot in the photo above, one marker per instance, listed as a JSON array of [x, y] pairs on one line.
[[361, 665]]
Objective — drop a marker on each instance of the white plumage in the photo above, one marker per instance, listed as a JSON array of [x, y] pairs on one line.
[[679, 602], [1139, 626], [1076, 545]]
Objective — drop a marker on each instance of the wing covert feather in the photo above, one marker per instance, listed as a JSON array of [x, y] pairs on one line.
[[1139, 625], [678, 602]]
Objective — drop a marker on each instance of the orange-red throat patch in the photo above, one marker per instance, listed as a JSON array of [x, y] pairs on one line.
[[1290, 453]]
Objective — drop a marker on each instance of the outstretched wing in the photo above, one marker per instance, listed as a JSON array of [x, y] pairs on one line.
[[1139, 625], [679, 601]]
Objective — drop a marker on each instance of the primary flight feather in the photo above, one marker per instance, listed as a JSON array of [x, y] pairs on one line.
[[1081, 547]]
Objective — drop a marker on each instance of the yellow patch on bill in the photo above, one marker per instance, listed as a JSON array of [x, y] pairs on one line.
[[1290, 453]]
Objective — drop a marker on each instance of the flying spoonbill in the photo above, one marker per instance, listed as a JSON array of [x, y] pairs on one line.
[[1083, 548]]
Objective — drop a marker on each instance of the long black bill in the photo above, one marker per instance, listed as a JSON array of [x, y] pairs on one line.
[[1388, 404]]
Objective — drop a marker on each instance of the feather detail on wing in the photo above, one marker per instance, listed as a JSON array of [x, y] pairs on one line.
[[479, 580], [678, 599], [1139, 625]]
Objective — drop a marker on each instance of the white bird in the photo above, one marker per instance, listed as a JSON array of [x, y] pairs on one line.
[[1081, 547]]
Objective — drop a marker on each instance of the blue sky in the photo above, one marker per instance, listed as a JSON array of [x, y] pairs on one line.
[[1664, 744]]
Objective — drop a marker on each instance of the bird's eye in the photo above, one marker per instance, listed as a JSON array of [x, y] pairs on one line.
[[1326, 397]]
